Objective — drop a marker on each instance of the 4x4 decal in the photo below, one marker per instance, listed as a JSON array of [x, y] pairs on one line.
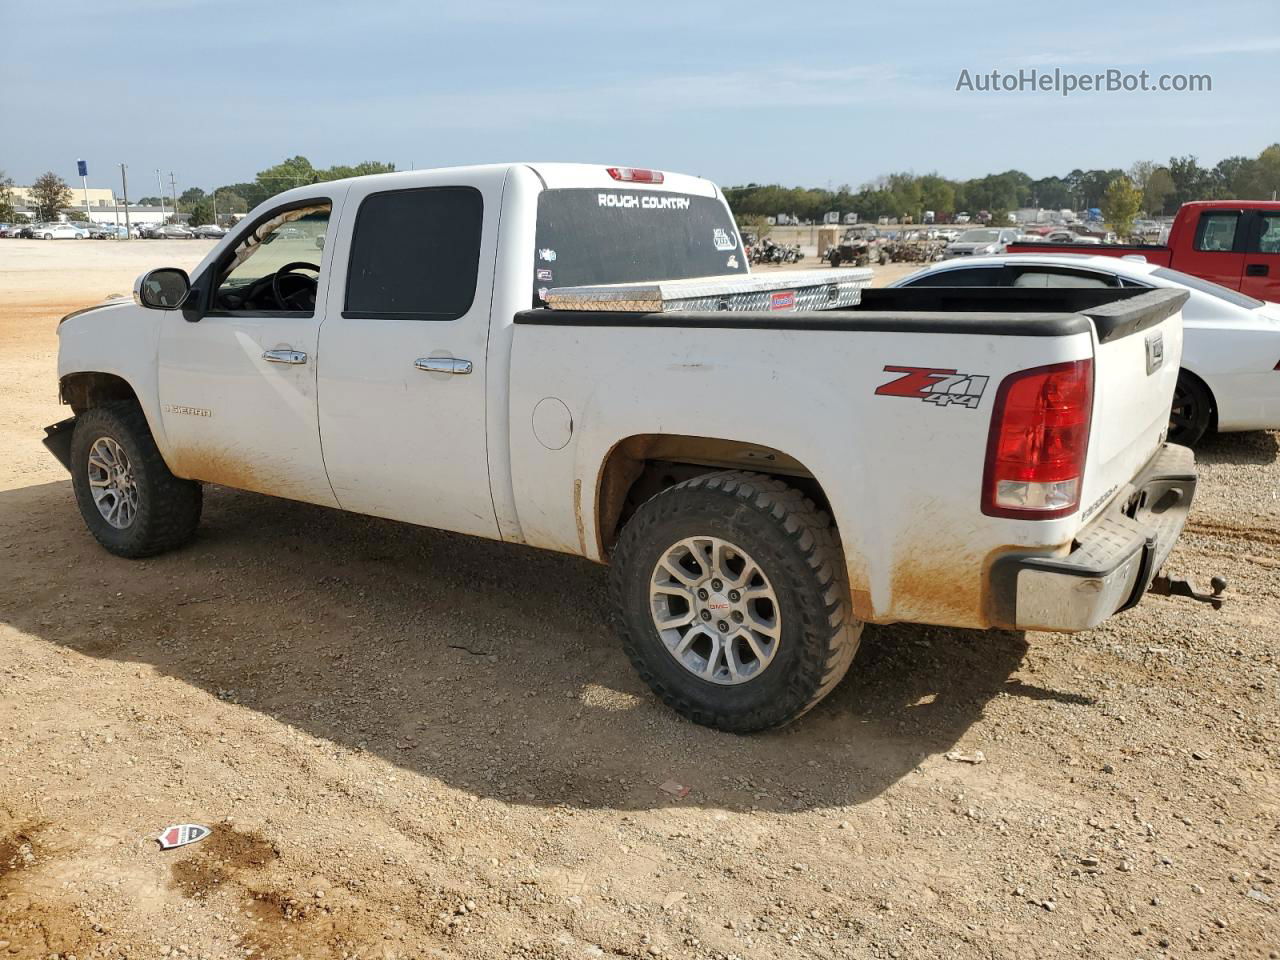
[[933, 385]]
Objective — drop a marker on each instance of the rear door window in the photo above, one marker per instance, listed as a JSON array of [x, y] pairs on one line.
[[1268, 235], [415, 254], [1216, 232]]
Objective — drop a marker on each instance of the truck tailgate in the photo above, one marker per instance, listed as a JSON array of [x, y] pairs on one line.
[[1137, 352]]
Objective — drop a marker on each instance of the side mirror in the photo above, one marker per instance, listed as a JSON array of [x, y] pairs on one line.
[[164, 289]]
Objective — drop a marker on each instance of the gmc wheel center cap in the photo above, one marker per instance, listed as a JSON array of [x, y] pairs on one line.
[[718, 604]]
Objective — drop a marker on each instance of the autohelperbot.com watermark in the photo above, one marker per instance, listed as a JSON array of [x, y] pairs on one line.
[[1065, 82]]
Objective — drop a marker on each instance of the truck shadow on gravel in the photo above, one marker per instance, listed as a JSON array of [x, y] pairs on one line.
[[490, 667]]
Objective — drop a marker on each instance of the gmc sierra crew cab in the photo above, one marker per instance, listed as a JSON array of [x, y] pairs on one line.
[[485, 350], [1233, 243]]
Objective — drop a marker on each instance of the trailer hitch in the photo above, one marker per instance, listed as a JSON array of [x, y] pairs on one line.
[[1169, 587]]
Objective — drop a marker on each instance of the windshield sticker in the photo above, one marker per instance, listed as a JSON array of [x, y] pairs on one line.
[[732, 263], [647, 202], [933, 385], [724, 240], [547, 254], [542, 292], [544, 275]]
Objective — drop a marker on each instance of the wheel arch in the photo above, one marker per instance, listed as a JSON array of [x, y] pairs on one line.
[[639, 466], [84, 389], [1208, 389]]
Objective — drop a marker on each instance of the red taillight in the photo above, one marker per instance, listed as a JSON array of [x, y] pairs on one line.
[[635, 174], [1039, 434]]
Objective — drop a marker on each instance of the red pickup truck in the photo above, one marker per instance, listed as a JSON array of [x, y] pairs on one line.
[[1235, 243]]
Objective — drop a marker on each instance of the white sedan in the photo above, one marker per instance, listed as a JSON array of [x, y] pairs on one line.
[[1230, 378], [60, 231]]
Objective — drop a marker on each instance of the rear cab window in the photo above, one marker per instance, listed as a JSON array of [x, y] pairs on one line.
[[589, 236]]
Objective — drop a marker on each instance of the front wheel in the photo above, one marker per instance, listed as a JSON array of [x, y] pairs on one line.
[[733, 601], [1192, 412], [129, 500]]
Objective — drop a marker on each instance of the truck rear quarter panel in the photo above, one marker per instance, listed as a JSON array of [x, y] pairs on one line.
[[902, 472]]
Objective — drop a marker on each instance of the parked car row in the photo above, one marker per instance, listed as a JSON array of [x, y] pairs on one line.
[[70, 230], [46, 231]]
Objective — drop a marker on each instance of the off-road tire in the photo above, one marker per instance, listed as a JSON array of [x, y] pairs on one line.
[[833, 259], [1191, 415], [796, 546], [168, 506]]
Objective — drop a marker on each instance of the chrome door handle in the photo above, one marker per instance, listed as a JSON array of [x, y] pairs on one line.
[[442, 365], [284, 356]]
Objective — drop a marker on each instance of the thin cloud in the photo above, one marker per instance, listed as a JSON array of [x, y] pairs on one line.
[[1132, 55]]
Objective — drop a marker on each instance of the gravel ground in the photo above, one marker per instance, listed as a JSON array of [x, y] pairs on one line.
[[413, 744]]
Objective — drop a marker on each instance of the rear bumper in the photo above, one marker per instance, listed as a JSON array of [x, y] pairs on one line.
[[1112, 561]]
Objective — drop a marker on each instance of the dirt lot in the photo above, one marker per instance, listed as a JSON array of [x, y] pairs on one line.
[[413, 744]]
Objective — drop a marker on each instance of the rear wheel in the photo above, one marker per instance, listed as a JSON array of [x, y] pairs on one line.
[[834, 258], [1192, 412], [733, 601], [129, 500]]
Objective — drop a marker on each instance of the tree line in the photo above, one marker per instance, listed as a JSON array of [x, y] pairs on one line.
[[1159, 189], [1163, 188], [52, 197]]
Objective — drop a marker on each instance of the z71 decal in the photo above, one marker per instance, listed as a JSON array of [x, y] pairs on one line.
[[933, 385]]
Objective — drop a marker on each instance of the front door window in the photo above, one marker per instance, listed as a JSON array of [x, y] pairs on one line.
[[276, 267]]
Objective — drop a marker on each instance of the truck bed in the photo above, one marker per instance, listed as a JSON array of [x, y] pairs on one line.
[[989, 311], [829, 395]]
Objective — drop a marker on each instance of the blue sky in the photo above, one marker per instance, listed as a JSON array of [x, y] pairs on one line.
[[798, 93]]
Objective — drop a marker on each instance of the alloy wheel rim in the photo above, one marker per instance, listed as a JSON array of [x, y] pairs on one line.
[[112, 483], [1182, 412], [715, 610]]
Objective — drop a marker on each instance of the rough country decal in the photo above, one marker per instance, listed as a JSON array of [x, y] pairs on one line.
[[724, 240], [933, 385], [782, 300], [646, 202]]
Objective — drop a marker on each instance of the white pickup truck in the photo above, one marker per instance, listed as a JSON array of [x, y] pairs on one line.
[[763, 482]]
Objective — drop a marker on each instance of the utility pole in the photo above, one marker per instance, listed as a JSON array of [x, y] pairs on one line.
[[160, 184], [83, 170], [173, 185], [124, 188]]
